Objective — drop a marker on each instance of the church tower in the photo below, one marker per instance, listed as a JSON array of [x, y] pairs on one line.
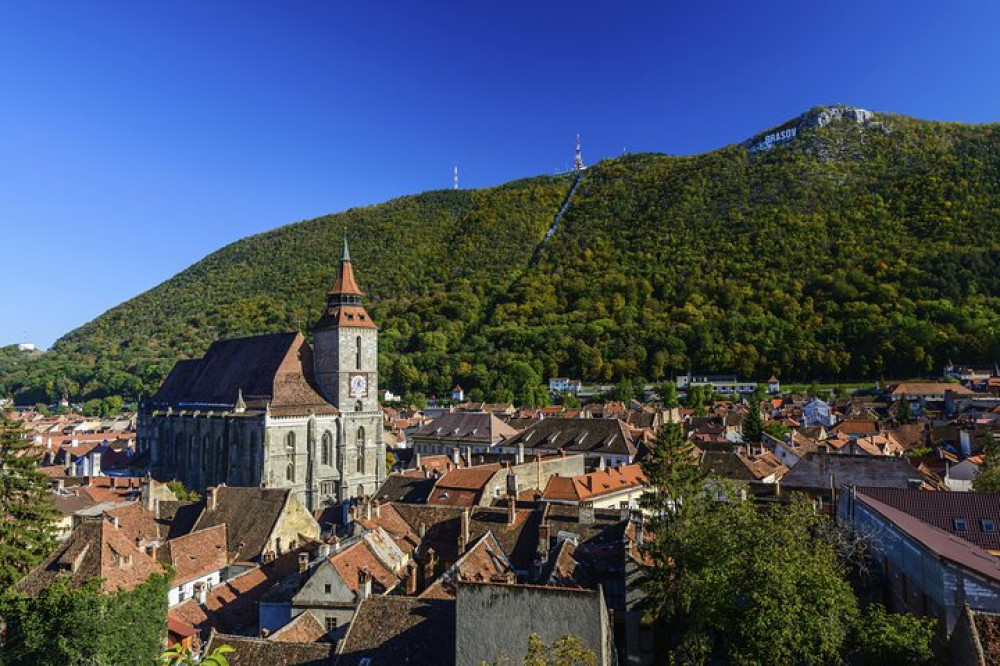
[[346, 345], [345, 361]]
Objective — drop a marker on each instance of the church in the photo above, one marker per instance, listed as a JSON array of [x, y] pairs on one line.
[[272, 412]]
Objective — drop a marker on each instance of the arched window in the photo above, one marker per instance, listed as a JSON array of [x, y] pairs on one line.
[[290, 452], [357, 363], [326, 454], [358, 406], [361, 450]]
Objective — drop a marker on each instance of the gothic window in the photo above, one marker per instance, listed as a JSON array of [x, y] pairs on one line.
[[253, 464], [290, 452], [326, 454], [361, 450], [205, 451], [358, 407], [178, 449], [357, 363]]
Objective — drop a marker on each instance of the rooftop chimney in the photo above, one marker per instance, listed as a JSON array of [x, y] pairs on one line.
[[114, 521], [544, 535], [303, 562], [364, 584], [430, 561], [411, 578], [376, 507], [455, 457], [70, 469], [520, 453], [212, 498], [511, 510], [586, 513], [201, 592], [466, 515]]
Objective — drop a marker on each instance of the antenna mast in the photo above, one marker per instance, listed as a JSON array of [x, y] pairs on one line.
[[455, 178], [578, 157]]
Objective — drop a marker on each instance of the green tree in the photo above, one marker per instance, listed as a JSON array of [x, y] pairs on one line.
[[753, 424], [750, 587], [26, 527], [668, 394], [182, 493], [673, 466], [566, 651], [84, 625], [988, 478], [390, 461], [623, 391], [904, 413], [894, 638]]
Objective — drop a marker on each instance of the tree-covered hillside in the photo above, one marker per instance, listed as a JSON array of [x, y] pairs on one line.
[[857, 249]]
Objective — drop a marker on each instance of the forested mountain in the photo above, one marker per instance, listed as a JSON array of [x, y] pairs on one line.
[[854, 247]]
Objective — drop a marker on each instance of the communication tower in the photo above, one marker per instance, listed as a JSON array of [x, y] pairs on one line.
[[578, 157]]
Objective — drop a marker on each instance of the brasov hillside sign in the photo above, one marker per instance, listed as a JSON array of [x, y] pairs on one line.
[[774, 138]]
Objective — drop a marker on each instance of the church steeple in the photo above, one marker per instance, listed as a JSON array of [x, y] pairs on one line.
[[343, 300], [345, 291]]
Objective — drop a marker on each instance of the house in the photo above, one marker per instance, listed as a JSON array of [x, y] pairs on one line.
[[723, 384], [513, 612], [819, 475], [257, 651], [773, 386], [233, 606], [959, 477], [475, 432], [974, 517], [564, 385], [199, 561], [741, 465], [457, 393], [485, 560], [928, 571], [261, 523], [332, 586], [818, 412], [602, 441], [609, 488], [928, 391], [482, 485], [400, 630], [97, 548]]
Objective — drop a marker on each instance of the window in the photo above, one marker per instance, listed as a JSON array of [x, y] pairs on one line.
[[290, 452], [961, 525], [989, 526], [358, 407], [326, 453], [331, 623], [290, 442], [328, 588], [361, 450], [357, 360], [290, 472]]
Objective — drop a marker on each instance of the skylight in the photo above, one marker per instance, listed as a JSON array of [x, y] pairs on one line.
[[961, 525]]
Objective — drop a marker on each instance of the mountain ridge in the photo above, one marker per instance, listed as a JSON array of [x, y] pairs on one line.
[[859, 246]]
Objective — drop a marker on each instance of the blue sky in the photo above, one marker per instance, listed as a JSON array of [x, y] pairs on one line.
[[136, 137]]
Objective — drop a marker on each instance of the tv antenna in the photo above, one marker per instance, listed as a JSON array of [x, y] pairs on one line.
[[578, 156]]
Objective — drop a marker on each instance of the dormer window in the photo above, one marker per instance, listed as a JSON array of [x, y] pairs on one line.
[[961, 525]]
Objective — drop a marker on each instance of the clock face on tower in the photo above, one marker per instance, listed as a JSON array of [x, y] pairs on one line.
[[358, 385]]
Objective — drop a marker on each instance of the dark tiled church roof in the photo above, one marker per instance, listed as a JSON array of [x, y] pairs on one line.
[[275, 369]]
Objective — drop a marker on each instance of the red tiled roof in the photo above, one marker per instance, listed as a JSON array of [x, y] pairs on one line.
[[198, 554], [595, 484]]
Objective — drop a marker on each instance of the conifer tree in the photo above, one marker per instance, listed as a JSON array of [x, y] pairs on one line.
[[26, 511], [753, 425], [673, 472]]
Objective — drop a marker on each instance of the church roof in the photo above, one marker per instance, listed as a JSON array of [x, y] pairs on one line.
[[345, 283], [275, 369]]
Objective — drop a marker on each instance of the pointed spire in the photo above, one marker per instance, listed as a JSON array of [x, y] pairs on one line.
[[345, 255], [240, 405]]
